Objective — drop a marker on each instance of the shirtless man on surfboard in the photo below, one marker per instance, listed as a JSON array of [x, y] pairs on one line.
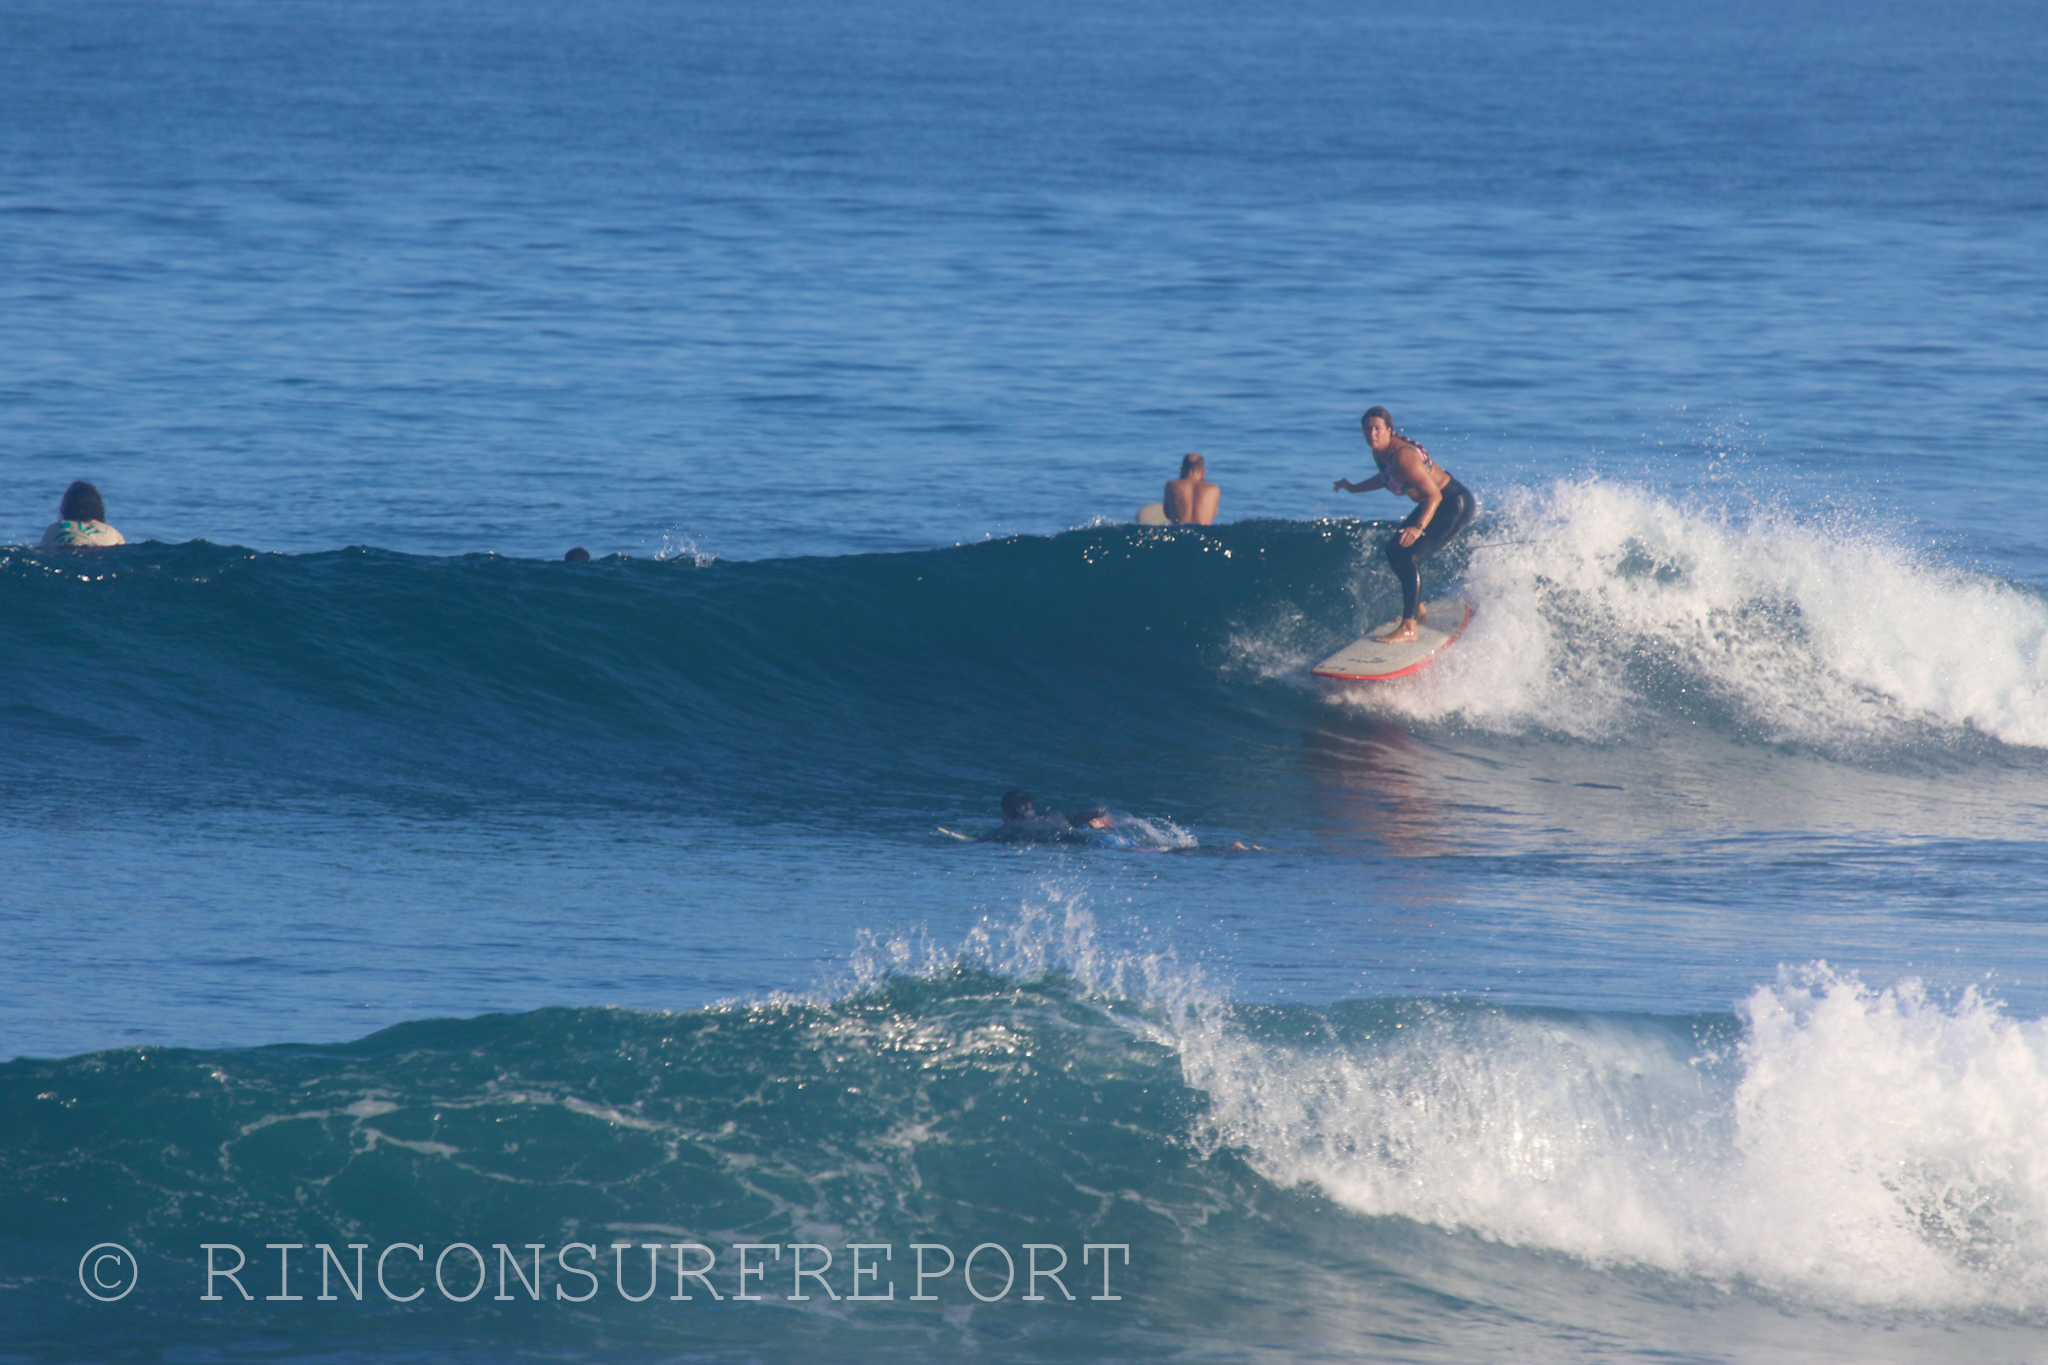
[[1444, 508], [1191, 497]]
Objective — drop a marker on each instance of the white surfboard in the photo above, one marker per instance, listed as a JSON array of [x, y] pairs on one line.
[[1368, 660], [1153, 514]]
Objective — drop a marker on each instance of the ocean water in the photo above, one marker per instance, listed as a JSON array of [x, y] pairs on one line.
[[390, 906]]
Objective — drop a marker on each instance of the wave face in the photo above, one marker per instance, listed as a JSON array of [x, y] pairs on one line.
[[754, 689], [1864, 1150], [784, 688]]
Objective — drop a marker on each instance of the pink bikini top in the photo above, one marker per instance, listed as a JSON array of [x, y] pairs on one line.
[[1391, 472]]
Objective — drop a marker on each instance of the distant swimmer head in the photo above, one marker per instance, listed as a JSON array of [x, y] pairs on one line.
[[1095, 817], [82, 502], [1017, 805], [579, 555], [1191, 464]]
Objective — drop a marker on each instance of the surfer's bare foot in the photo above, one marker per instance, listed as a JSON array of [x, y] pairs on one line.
[[1403, 634], [1422, 612]]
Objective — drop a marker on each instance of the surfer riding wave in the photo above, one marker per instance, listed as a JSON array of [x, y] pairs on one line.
[[1444, 508]]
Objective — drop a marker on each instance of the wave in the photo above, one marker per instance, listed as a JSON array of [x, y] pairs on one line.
[[1828, 1143], [1167, 659], [759, 690]]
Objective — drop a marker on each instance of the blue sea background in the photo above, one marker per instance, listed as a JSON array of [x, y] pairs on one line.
[[1661, 975]]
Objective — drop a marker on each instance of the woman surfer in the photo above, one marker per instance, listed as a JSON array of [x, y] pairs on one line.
[[1445, 508], [81, 521]]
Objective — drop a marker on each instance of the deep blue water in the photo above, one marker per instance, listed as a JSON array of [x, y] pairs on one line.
[[1660, 975]]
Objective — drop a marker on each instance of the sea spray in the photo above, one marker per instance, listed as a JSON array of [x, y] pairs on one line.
[[1051, 937], [1850, 1145], [1890, 1145]]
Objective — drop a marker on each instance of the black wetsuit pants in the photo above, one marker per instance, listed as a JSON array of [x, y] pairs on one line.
[[1453, 515]]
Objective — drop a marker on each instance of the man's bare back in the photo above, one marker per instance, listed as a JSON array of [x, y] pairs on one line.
[[1191, 498]]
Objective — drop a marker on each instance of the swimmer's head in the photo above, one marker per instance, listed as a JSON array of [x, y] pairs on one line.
[[1191, 464], [579, 555], [82, 503], [1095, 817], [1017, 805]]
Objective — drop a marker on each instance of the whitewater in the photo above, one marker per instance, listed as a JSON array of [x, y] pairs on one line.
[[1601, 605]]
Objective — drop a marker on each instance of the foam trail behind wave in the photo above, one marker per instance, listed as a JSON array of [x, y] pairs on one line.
[[1600, 603], [1856, 1145]]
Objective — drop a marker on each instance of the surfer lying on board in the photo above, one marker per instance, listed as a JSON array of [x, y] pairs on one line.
[[1096, 828], [1022, 824], [1191, 498], [1445, 508], [1090, 828]]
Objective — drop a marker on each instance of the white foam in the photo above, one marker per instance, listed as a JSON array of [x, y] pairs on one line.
[[1600, 602], [1860, 1145], [1155, 831], [1278, 649], [681, 548], [1052, 934], [1851, 1146]]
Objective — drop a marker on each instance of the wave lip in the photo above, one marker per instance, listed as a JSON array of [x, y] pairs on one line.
[[1853, 1145]]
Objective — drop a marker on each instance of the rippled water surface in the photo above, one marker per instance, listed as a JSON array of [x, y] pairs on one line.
[[1660, 973]]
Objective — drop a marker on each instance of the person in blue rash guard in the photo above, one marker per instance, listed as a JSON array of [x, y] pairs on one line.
[[1096, 828]]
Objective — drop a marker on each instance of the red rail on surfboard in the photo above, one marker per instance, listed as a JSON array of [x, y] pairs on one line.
[[1368, 660]]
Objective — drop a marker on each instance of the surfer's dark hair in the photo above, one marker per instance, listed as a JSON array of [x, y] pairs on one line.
[[1077, 818], [1190, 462], [82, 503], [1017, 805], [578, 555]]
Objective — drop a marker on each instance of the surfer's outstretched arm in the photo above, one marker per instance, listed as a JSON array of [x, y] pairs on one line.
[[1371, 485]]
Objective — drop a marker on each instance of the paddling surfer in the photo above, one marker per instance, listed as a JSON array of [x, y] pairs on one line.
[[1191, 498], [1094, 827], [1022, 824], [1444, 508]]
